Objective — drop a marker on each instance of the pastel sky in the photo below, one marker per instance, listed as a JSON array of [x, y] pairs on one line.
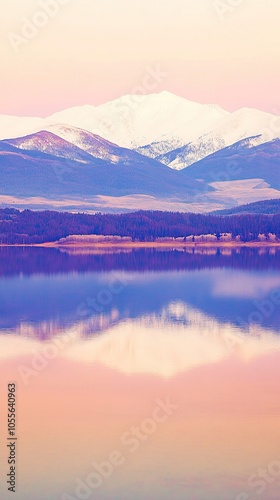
[[89, 52]]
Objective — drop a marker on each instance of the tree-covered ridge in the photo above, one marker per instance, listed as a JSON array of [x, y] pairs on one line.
[[258, 207], [28, 226]]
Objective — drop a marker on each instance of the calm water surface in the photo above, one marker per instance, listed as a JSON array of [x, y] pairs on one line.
[[142, 375]]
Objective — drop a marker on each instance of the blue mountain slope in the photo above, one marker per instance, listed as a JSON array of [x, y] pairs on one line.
[[33, 173], [239, 162]]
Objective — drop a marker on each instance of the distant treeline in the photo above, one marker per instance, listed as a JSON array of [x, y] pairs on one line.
[[29, 227]]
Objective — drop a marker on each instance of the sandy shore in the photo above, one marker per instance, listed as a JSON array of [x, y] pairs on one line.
[[142, 244]]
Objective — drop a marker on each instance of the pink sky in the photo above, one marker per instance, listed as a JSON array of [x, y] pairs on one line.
[[90, 52]]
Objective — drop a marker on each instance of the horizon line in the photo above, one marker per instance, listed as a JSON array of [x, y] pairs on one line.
[[139, 96]]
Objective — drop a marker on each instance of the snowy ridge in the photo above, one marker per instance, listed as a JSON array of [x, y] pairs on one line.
[[51, 144], [243, 124], [92, 144]]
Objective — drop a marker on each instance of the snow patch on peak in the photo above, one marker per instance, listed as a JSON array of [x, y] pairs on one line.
[[49, 143]]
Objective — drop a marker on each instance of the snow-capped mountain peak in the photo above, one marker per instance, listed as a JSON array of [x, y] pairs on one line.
[[163, 126], [92, 144]]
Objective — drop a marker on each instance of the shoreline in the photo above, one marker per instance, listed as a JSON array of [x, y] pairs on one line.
[[143, 244]]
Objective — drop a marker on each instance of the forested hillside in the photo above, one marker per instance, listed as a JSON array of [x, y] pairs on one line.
[[28, 227]]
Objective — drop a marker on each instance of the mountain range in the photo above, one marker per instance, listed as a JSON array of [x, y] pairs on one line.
[[155, 151]]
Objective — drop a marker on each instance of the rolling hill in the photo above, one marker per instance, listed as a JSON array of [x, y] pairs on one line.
[[260, 207], [37, 173]]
